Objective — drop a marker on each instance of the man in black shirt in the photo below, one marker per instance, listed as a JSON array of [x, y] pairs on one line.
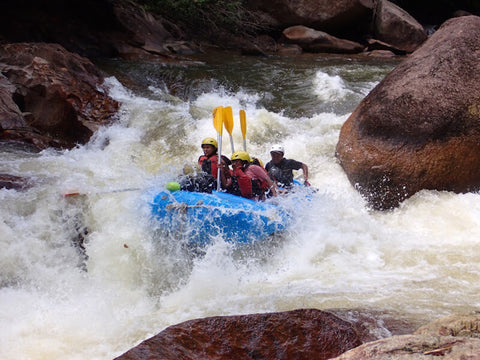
[[280, 169]]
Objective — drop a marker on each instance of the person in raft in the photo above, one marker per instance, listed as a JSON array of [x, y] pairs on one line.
[[204, 178], [280, 168], [209, 163], [248, 180]]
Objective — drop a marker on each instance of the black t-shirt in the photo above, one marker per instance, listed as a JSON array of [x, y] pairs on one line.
[[282, 173]]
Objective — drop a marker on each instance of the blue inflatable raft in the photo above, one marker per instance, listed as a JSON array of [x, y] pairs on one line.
[[200, 217]]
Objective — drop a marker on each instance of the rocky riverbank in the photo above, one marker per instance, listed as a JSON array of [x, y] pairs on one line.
[[59, 41]]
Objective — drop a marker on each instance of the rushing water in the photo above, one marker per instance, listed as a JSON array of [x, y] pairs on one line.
[[59, 301]]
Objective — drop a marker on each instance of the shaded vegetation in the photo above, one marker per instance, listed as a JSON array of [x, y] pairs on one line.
[[207, 18]]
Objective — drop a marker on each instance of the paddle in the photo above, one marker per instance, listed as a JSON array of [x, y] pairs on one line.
[[75, 193], [243, 125], [228, 122], [218, 123]]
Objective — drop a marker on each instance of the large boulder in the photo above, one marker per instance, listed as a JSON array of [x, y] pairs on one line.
[[396, 27], [299, 334], [316, 41], [336, 17], [419, 128], [50, 97]]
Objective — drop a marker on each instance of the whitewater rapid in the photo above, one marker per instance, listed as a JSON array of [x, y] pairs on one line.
[[59, 301]]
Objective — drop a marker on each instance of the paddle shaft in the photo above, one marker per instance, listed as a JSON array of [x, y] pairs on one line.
[[218, 123], [243, 125], [75, 193], [219, 164]]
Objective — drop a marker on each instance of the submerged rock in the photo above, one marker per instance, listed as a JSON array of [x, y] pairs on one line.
[[13, 182]]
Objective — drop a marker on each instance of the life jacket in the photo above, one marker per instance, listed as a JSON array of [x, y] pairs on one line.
[[247, 187], [209, 164], [263, 185]]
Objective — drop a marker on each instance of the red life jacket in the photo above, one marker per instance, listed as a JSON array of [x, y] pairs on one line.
[[246, 186], [263, 183], [209, 164]]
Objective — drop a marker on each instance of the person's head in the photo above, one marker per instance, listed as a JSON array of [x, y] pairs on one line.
[[209, 146], [276, 152], [240, 158], [257, 161]]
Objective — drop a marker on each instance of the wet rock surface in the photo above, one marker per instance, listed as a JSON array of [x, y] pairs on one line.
[[419, 128], [298, 334]]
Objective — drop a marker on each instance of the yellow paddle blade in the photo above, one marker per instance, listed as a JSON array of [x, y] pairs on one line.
[[243, 123], [228, 119], [218, 119]]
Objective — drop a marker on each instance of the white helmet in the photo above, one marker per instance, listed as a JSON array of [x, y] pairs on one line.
[[277, 148]]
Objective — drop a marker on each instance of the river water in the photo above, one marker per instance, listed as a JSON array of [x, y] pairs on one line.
[[59, 301]]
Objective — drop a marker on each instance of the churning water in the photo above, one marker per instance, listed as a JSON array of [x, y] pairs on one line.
[[88, 276]]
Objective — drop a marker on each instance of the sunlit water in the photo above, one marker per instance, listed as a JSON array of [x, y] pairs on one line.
[[418, 262]]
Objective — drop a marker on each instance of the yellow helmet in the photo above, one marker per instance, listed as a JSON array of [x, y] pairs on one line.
[[241, 155], [210, 141], [257, 161]]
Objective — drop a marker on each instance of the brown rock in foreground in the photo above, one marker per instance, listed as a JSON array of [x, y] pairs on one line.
[[50, 97], [299, 334], [416, 347], [467, 325], [419, 128]]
